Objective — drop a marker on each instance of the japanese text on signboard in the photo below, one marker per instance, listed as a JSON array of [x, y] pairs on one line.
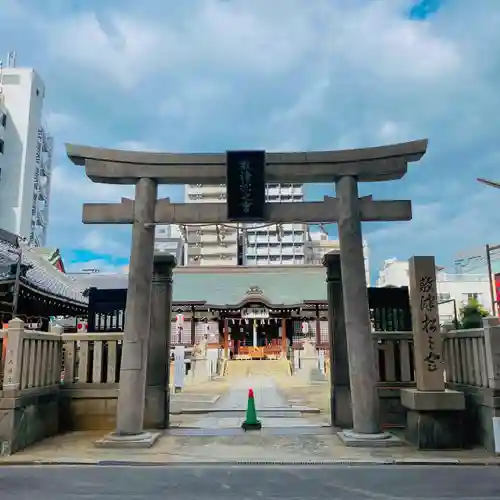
[[245, 186], [429, 320], [245, 175]]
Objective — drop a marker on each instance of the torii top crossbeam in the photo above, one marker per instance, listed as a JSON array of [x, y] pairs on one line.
[[111, 166]]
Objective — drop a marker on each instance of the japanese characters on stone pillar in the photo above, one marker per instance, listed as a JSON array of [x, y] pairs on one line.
[[14, 355], [428, 344]]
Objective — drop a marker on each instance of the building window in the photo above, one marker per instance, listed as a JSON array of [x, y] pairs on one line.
[[472, 296], [443, 296], [1, 146], [11, 79], [3, 120]]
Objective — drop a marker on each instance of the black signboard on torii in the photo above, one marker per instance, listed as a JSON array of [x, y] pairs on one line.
[[246, 186]]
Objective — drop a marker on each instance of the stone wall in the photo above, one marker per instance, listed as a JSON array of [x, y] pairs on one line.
[[29, 399], [392, 412], [482, 404], [84, 408], [27, 418]]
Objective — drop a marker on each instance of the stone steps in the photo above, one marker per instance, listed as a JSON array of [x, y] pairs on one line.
[[278, 368]]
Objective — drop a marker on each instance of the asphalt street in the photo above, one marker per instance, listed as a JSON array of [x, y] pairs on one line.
[[198, 482]]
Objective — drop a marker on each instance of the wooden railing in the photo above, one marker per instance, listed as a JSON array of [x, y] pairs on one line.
[[31, 359]]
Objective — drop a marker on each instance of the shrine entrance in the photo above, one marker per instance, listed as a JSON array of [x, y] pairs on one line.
[[245, 174]]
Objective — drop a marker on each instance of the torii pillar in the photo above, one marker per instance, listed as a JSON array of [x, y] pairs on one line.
[[132, 390], [363, 372]]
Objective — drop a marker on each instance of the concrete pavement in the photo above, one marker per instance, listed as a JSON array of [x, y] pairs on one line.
[[287, 436], [250, 482], [274, 410]]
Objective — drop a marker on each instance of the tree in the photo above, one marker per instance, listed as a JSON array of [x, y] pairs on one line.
[[472, 314]]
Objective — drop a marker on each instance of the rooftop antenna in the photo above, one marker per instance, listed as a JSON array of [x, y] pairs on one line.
[[11, 59]]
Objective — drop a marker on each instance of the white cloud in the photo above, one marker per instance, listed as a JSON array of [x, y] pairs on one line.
[[102, 265], [75, 188], [98, 241], [59, 121], [122, 52], [132, 145], [281, 75]]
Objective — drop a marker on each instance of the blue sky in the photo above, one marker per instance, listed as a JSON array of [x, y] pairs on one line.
[[211, 75]]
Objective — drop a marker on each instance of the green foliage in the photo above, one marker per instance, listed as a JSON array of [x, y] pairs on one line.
[[472, 314]]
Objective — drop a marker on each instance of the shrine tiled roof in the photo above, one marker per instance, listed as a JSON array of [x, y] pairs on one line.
[[40, 273], [279, 284]]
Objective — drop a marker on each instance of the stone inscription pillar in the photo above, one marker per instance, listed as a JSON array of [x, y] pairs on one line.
[[340, 395], [435, 416], [362, 367], [157, 411], [428, 344], [131, 397]]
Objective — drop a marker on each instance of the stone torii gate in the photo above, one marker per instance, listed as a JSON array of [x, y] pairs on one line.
[[345, 168]]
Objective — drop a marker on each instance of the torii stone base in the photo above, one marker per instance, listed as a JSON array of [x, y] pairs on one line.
[[142, 440], [361, 440]]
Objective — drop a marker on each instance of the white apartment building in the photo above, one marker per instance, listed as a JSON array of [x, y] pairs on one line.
[[245, 244], [318, 244], [454, 290], [25, 154], [215, 244], [276, 243], [169, 239]]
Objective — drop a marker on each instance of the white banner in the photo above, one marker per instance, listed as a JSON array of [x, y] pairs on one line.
[[179, 366]]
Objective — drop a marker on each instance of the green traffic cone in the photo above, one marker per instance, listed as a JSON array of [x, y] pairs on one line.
[[251, 422]]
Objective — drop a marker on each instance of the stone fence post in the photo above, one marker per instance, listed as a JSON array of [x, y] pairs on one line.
[[340, 394], [14, 356], [157, 403], [492, 350]]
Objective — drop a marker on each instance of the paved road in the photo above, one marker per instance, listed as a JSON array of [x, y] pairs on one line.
[[249, 482]]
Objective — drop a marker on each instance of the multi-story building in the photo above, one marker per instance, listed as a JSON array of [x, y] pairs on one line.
[[318, 243], [454, 289], [25, 154], [169, 239], [277, 243], [211, 244], [245, 244]]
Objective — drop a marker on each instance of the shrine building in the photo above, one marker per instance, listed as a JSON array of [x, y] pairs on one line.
[[256, 312]]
